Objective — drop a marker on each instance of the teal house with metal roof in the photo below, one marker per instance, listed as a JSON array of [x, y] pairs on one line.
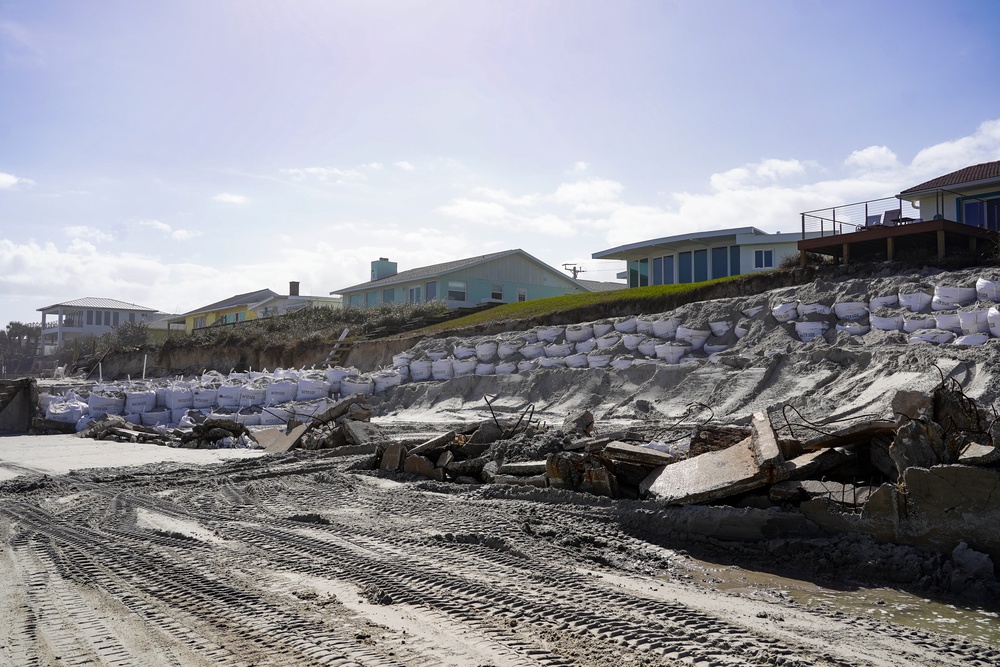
[[505, 277]]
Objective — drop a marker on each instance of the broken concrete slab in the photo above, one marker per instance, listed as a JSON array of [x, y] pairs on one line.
[[815, 463], [847, 495], [421, 465], [393, 457], [488, 432], [939, 508], [920, 444], [561, 470], [579, 422], [523, 468], [975, 454], [445, 459], [831, 517], [750, 464], [908, 405], [435, 445], [622, 451], [852, 434], [520, 480], [362, 433], [275, 440], [598, 480]]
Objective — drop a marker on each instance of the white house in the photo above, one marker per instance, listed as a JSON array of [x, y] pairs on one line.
[[87, 316], [689, 258]]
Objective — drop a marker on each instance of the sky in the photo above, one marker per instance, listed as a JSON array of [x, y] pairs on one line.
[[172, 153]]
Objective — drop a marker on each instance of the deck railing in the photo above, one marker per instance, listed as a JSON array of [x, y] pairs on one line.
[[859, 215]]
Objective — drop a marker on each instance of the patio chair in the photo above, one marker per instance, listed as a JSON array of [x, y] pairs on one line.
[[891, 218], [873, 220]]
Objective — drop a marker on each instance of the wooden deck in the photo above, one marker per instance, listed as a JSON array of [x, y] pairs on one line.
[[889, 243]]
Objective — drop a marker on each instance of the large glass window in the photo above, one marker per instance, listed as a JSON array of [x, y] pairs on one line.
[[356, 300], [114, 319], [199, 322], [720, 261], [982, 213], [456, 290], [684, 267], [90, 317], [388, 295], [496, 293], [657, 270], [700, 265], [414, 295], [522, 294], [432, 290], [638, 273], [371, 299]]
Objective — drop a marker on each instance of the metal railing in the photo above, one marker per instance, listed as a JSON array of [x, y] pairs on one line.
[[859, 215]]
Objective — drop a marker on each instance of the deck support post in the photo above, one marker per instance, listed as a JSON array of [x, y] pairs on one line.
[[890, 248], [847, 253]]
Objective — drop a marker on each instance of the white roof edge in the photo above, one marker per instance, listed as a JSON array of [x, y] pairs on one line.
[[677, 238]]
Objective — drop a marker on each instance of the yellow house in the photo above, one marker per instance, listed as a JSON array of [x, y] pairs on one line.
[[228, 311]]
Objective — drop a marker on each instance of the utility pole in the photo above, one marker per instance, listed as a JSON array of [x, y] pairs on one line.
[[574, 269]]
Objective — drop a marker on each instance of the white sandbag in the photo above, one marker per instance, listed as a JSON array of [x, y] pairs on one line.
[[578, 332], [251, 395], [671, 352], [988, 290], [272, 415], [993, 318], [558, 349], [357, 384], [434, 355], [647, 347], [240, 378], [139, 401], [849, 310], [935, 336], [695, 338], [282, 391], [464, 351], [508, 348], [644, 325], [335, 374], [972, 339], [585, 346], [526, 365], [463, 367], [66, 412], [385, 380], [157, 417], [720, 328], [205, 397], [549, 334], [665, 328], [742, 328], [227, 396], [576, 360], [807, 330], [631, 341], [948, 322], [133, 418], [486, 368], [918, 322], [506, 368], [223, 413], [486, 351], [312, 388], [915, 302], [975, 321], [178, 396], [249, 415], [161, 395], [626, 324], [887, 301], [533, 350], [853, 328], [178, 414], [786, 312], [887, 322], [813, 309], [105, 403], [597, 359], [420, 370], [441, 369], [551, 362], [603, 328], [949, 298], [606, 341], [402, 359]]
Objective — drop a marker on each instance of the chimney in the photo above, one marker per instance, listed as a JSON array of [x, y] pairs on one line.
[[383, 268], [293, 288]]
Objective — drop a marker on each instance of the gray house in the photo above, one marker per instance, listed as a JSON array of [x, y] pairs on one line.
[[505, 277], [88, 316]]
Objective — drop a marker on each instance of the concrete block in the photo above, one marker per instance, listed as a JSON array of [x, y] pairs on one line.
[[435, 445], [561, 470], [766, 450], [815, 463], [579, 422], [393, 457], [908, 405], [520, 480], [621, 451], [361, 433], [523, 468], [421, 465], [446, 458]]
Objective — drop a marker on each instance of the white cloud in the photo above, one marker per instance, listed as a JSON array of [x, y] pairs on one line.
[[88, 233], [404, 165], [872, 158], [981, 146], [581, 166], [176, 234], [229, 198], [757, 174], [8, 181]]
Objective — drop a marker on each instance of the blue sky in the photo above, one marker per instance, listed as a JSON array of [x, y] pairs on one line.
[[172, 153]]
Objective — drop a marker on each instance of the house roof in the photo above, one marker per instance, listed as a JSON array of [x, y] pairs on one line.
[[233, 301], [99, 304], [432, 270], [614, 253], [978, 173], [601, 285]]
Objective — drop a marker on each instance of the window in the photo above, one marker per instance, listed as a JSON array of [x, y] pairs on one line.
[[388, 295], [496, 293], [720, 262], [982, 213], [199, 322], [763, 259], [432, 290], [114, 319], [356, 300], [414, 295], [107, 318], [456, 290], [90, 317], [371, 299], [684, 267], [522, 294], [131, 317], [700, 265]]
